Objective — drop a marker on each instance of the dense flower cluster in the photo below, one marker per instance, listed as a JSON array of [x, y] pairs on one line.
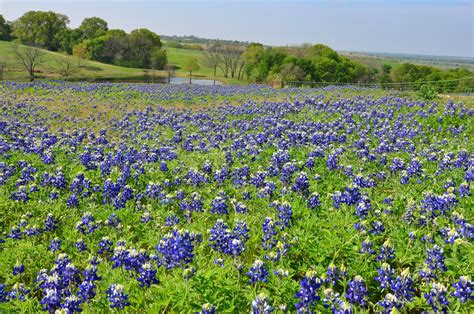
[[278, 181]]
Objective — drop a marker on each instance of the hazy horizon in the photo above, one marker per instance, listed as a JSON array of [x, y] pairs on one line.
[[439, 28]]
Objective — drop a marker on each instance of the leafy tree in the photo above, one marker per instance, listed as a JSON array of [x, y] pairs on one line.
[[191, 65], [92, 27], [80, 51], [68, 38], [158, 59], [141, 44], [5, 29], [40, 28], [385, 76]]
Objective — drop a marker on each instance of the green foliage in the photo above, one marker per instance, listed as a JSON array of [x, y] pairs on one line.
[[40, 28], [93, 27], [191, 65], [158, 59], [315, 63], [427, 92], [5, 29]]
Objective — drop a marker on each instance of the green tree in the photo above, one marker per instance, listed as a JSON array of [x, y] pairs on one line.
[[142, 43], [158, 59], [68, 38], [191, 66], [40, 28], [93, 27], [5, 29]]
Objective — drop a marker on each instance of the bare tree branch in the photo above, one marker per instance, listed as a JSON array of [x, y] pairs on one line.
[[29, 57], [66, 67]]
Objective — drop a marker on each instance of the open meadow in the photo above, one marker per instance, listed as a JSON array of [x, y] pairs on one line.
[[231, 199]]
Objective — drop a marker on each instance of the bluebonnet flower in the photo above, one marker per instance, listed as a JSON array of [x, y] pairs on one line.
[[105, 245], [313, 201], [171, 220], [377, 228], [219, 206], [285, 214], [402, 286], [301, 183], [51, 299], [208, 308], [86, 291], [72, 304], [257, 272], [116, 296], [73, 201], [334, 303], [19, 291], [90, 273], [241, 208], [147, 275], [357, 291], [146, 217], [87, 224], [367, 247], [176, 248], [50, 223], [269, 234], [281, 272], [386, 252], [260, 305], [80, 245], [3, 293], [437, 299], [332, 161], [464, 190], [389, 304], [385, 276], [54, 245], [464, 288], [307, 295], [113, 221], [334, 274], [363, 208], [163, 166], [427, 274], [435, 259], [32, 231], [18, 269]]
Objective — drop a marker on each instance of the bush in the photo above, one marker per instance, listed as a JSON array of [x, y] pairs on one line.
[[427, 92]]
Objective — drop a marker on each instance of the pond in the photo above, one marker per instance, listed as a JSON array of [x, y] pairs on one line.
[[182, 80]]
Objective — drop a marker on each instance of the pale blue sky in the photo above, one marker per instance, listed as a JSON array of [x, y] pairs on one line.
[[437, 27]]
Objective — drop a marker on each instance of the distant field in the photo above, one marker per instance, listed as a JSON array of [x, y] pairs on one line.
[[178, 58], [376, 60]]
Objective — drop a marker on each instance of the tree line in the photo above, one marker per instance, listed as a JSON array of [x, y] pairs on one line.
[[320, 63], [93, 39]]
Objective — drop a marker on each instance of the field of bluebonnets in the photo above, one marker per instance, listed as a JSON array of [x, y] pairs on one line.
[[160, 198]]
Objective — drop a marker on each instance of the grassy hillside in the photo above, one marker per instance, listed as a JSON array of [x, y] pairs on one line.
[[50, 68], [178, 58]]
